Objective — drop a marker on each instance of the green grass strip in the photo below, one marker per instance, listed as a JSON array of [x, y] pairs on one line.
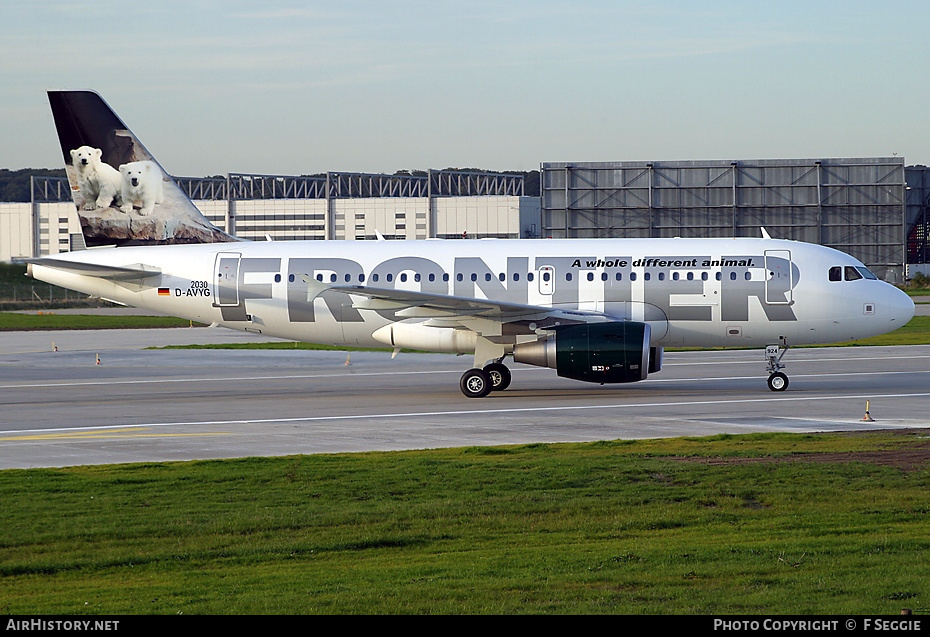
[[15, 321], [765, 523]]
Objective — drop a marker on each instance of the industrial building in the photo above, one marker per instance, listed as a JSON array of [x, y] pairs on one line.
[[353, 206], [875, 209]]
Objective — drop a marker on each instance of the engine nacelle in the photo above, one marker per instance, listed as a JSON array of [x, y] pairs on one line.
[[616, 352]]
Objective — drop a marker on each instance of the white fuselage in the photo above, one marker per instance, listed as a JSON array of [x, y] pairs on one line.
[[692, 292]]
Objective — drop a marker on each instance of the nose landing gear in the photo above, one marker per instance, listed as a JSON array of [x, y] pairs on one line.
[[778, 380]]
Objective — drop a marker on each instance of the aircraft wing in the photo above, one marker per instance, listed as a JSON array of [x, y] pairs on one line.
[[446, 310]]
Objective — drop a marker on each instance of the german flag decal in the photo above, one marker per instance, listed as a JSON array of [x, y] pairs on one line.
[[164, 292]]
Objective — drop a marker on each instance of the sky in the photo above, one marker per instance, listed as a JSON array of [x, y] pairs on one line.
[[380, 86]]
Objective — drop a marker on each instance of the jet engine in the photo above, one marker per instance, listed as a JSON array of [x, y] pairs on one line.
[[615, 352]]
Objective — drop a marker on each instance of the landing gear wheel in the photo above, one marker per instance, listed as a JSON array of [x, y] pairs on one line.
[[476, 383], [500, 376], [778, 382]]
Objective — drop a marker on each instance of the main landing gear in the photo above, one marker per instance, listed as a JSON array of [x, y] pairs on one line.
[[778, 380], [478, 383]]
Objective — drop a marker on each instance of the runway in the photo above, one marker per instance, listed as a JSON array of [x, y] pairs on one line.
[[62, 409]]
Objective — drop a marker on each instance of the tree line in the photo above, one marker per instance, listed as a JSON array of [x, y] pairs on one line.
[[14, 184]]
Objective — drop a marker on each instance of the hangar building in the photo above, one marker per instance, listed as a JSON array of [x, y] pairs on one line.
[[872, 208]]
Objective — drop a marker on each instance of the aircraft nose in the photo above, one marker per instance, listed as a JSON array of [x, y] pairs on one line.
[[901, 308]]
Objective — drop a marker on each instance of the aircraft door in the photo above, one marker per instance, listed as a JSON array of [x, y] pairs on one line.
[[226, 279], [778, 277]]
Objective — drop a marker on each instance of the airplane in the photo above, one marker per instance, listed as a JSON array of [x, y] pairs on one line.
[[595, 310]]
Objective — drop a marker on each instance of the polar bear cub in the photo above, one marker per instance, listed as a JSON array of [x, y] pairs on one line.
[[141, 185], [99, 182]]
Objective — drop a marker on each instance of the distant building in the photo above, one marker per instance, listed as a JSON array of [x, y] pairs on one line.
[[872, 208], [352, 206]]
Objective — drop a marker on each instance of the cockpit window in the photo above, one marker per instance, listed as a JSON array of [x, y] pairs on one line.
[[852, 273]]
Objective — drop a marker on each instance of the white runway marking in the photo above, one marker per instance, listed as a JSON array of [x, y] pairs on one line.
[[472, 412], [249, 379]]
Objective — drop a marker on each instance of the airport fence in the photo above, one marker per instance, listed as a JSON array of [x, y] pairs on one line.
[[43, 295]]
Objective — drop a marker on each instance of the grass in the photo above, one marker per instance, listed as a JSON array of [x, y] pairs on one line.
[[14, 321], [728, 524]]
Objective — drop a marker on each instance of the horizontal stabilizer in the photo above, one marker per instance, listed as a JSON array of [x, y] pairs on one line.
[[116, 273]]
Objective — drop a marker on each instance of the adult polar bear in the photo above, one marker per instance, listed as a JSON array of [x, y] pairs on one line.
[[141, 185], [99, 182]]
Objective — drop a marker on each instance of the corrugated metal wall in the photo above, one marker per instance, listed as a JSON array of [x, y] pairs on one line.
[[854, 205]]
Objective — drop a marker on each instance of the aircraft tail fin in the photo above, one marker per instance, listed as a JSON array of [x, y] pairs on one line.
[[123, 196]]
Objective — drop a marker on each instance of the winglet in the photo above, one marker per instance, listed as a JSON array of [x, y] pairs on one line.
[[765, 234]]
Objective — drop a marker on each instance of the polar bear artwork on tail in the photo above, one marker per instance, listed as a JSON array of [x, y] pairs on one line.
[[141, 185], [99, 182]]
